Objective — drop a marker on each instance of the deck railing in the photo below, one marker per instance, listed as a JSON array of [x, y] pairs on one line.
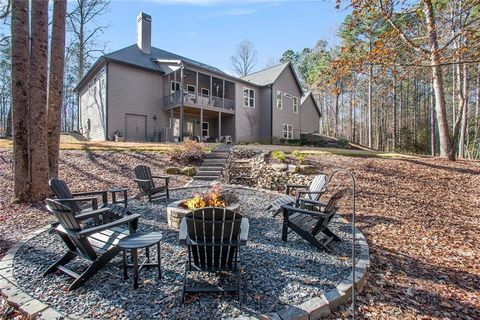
[[174, 99]]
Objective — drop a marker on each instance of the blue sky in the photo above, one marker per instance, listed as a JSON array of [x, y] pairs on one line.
[[209, 30]]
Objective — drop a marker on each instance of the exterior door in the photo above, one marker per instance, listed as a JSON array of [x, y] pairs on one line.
[[135, 127]]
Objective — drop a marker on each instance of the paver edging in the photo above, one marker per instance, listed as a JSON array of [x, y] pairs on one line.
[[311, 309]]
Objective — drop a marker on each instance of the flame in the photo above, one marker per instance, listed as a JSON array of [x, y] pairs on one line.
[[212, 198]]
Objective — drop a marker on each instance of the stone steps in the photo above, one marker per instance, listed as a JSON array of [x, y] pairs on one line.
[[213, 165]]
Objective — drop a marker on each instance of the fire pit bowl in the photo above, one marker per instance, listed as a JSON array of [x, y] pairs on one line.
[[176, 212]]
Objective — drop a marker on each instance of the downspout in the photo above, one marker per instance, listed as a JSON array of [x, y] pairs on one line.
[[106, 99], [182, 102], [271, 113]]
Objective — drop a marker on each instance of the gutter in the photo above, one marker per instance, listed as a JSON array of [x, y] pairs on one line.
[[271, 113], [106, 98]]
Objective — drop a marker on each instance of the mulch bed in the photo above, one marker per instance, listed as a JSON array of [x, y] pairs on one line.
[[420, 216]]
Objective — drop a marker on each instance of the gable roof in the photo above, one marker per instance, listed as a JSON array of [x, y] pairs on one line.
[[133, 56], [266, 76], [309, 94]]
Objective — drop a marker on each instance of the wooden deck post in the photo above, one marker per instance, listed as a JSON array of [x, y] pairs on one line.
[[223, 94], [211, 89], [201, 124], [196, 87], [181, 102], [219, 125]]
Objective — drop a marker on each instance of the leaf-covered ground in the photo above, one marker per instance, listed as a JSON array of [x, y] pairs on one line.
[[421, 218]]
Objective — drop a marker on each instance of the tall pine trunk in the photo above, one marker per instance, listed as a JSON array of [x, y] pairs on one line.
[[463, 129], [20, 97], [446, 149], [55, 91], [39, 171]]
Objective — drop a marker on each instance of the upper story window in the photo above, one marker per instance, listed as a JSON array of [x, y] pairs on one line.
[[205, 92], [295, 104], [279, 99], [287, 131], [191, 89], [175, 86], [248, 97]]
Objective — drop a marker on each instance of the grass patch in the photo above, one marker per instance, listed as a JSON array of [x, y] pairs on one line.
[[68, 142]]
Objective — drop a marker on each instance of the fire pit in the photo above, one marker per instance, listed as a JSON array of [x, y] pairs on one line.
[[212, 198]]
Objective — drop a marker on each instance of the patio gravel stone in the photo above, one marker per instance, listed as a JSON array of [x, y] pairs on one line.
[[286, 278]]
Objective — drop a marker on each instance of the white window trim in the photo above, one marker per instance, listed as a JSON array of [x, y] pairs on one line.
[[208, 129], [279, 93], [243, 97], [293, 104], [285, 132], [205, 95], [172, 82]]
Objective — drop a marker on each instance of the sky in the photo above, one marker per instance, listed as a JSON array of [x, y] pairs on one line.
[[210, 30]]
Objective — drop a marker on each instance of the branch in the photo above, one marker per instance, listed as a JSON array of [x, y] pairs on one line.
[[7, 10]]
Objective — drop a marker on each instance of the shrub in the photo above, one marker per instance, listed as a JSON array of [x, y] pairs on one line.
[[299, 156], [343, 143], [187, 153], [279, 155]]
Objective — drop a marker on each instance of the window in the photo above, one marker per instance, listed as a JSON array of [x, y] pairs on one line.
[[248, 97], [205, 127], [205, 92], [191, 89], [287, 131], [295, 104], [175, 86], [279, 99]]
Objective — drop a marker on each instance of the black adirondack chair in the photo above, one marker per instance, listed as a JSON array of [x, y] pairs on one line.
[[309, 223], [74, 200], [144, 179], [213, 237], [97, 244]]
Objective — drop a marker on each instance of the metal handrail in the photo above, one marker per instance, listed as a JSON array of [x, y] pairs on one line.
[[201, 100]]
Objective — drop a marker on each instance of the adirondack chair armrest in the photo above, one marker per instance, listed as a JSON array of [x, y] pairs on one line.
[[162, 177], [289, 187], [288, 210], [244, 229], [302, 192], [182, 234], [93, 200], [127, 219], [140, 180], [103, 193], [316, 203]]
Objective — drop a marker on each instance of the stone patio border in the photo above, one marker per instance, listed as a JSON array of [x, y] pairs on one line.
[[312, 309]]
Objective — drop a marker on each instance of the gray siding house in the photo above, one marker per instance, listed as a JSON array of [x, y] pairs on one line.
[[147, 94]]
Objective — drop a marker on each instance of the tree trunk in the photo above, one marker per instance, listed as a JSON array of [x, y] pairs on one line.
[[394, 146], [476, 147], [20, 91], [370, 76], [8, 125], [463, 130], [55, 90], [432, 125], [446, 149], [38, 102]]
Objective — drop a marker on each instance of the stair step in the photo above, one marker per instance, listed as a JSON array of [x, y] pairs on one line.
[[209, 173], [210, 168], [204, 178], [210, 162], [217, 156]]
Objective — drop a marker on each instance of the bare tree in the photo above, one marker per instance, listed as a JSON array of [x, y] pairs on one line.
[[82, 22], [245, 58], [20, 70], [55, 90]]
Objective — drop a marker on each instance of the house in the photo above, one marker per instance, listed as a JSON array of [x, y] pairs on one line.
[[143, 93]]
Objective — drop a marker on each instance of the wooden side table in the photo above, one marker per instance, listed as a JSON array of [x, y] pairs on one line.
[[137, 241], [114, 191]]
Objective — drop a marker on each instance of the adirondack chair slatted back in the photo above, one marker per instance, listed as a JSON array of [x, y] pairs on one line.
[[213, 238], [143, 172], [317, 185], [331, 206], [66, 218], [61, 191]]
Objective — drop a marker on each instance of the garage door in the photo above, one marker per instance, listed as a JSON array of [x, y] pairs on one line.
[[135, 127]]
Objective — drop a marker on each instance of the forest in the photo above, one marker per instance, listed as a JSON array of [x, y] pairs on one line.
[[405, 77]]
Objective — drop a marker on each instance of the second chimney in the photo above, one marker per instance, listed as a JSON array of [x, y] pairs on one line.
[[144, 32]]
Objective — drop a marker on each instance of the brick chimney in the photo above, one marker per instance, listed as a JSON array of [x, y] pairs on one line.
[[144, 32]]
